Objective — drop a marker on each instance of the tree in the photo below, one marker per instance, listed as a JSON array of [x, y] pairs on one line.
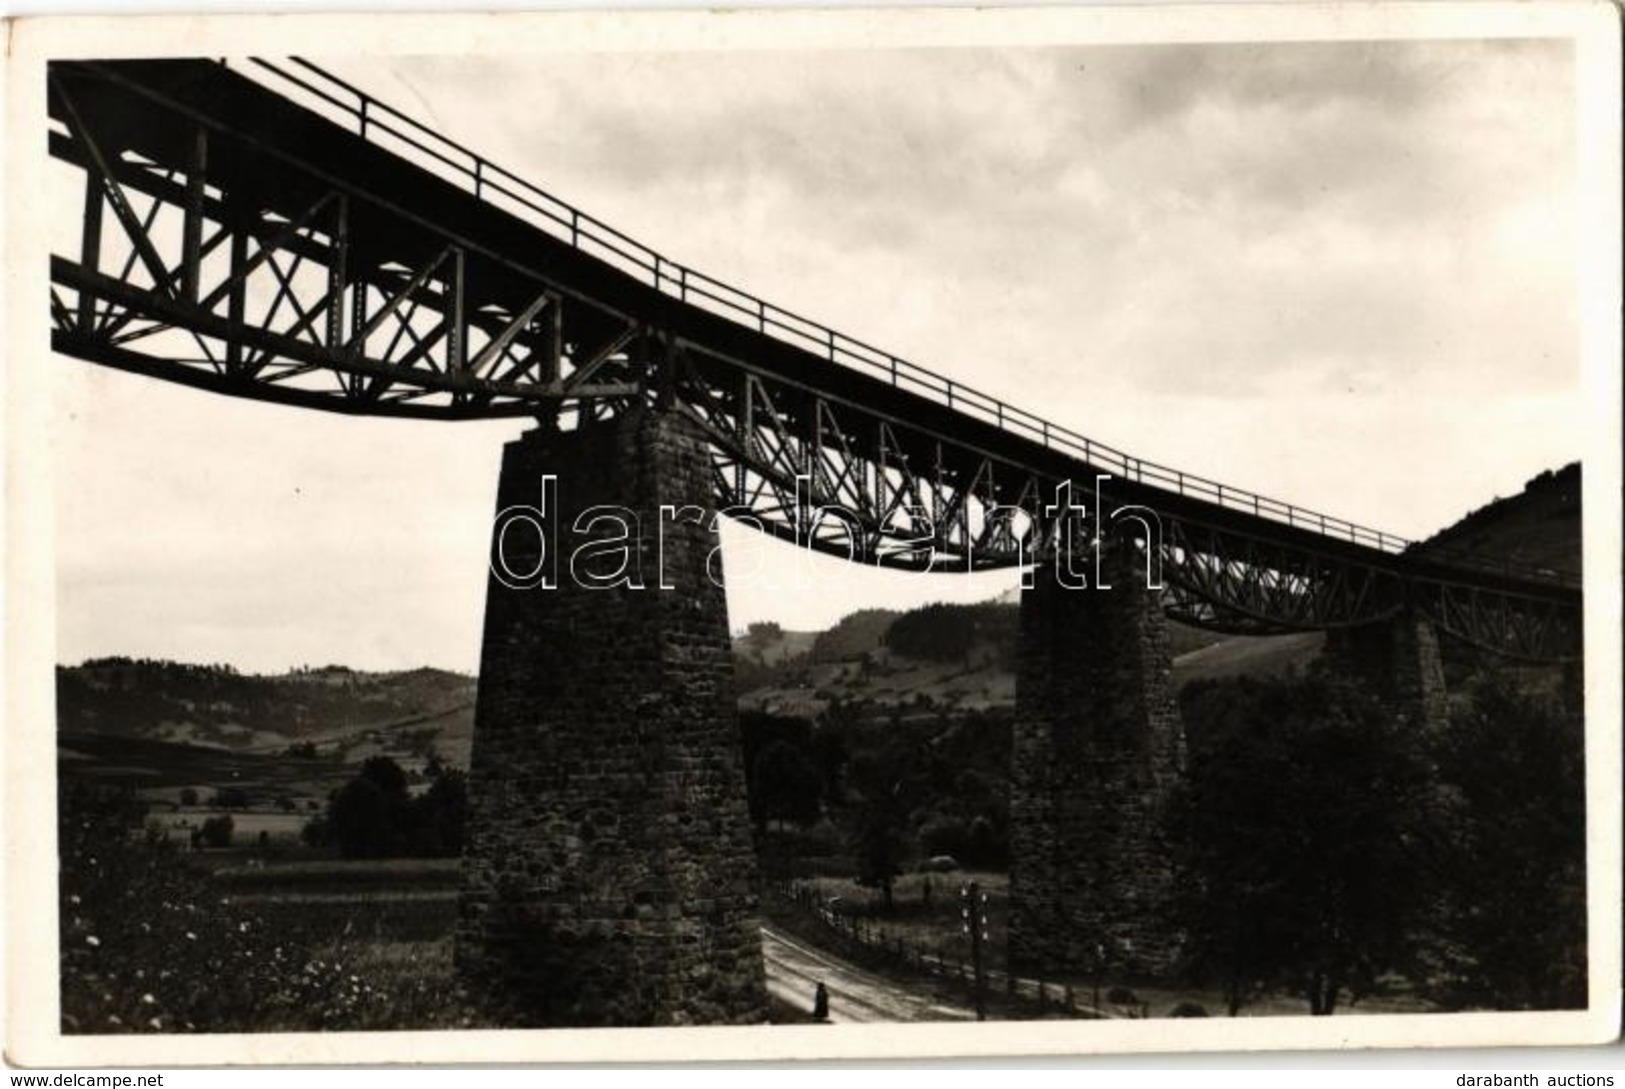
[[988, 843], [783, 786], [442, 814], [361, 820], [1514, 919], [830, 748], [375, 816], [790, 739], [763, 632], [315, 832], [217, 831], [949, 633], [887, 783], [230, 798], [1305, 837], [387, 774], [365, 817]]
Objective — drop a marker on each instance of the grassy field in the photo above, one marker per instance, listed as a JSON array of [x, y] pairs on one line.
[[281, 829], [270, 780], [313, 874], [381, 917], [418, 974], [926, 919], [160, 770], [385, 901], [160, 944]]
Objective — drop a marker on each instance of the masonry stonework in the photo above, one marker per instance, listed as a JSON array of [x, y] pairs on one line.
[[1098, 747], [609, 877], [1399, 661]]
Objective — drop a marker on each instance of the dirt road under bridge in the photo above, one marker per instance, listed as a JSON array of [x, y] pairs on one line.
[[794, 970]]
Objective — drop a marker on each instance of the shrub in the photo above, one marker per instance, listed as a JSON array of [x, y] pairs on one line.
[[230, 798], [147, 946], [782, 784], [217, 831], [315, 833], [440, 815], [374, 816], [988, 844], [946, 836], [363, 819]]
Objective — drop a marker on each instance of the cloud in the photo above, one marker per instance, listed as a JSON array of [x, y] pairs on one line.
[[1302, 268]]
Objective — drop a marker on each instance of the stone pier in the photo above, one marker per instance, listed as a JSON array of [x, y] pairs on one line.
[[609, 877], [1398, 660], [1098, 746]]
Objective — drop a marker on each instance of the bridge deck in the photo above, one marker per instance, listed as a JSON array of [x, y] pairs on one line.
[[412, 193]]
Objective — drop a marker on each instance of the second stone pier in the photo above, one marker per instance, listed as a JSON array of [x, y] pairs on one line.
[[1399, 661], [1097, 749]]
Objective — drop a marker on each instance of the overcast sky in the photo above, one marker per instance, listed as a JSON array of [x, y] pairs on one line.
[[1340, 275]]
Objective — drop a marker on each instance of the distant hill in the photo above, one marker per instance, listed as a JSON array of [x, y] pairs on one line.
[[1539, 526], [767, 644], [340, 711], [854, 636], [925, 661]]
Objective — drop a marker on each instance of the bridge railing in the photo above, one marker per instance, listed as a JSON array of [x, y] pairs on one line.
[[394, 131]]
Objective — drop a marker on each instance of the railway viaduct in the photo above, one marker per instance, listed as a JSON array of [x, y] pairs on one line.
[[268, 231]]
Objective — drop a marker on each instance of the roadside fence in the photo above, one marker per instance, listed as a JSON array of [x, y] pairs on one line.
[[1050, 998]]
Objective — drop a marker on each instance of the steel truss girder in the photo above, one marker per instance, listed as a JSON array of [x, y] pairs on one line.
[[782, 452], [1515, 626], [445, 336], [1234, 582], [833, 477], [325, 294]]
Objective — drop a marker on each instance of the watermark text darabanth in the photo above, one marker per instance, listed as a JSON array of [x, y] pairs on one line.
[[608, 546]]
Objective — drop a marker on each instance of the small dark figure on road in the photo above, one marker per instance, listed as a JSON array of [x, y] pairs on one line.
[[821, 1003]]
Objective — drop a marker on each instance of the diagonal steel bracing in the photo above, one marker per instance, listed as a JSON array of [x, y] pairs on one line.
[[264, 251]]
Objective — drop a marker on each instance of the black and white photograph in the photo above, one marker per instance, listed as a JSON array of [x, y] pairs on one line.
[[869, 533]]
